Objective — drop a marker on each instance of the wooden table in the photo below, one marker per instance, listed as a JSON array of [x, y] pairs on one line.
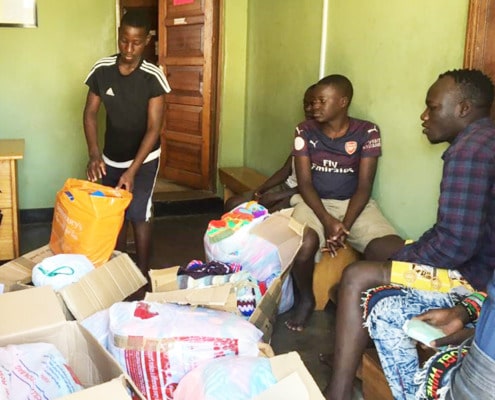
[[11, 150]]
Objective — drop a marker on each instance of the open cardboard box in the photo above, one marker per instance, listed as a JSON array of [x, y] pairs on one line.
[[294, 380], [43, 321], [112, 282], [281, 230]]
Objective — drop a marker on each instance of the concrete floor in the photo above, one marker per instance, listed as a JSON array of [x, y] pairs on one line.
[[178, 240]]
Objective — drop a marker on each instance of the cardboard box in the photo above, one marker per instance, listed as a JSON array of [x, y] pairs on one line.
[[43, 321], [294, 380], [281, 230], [114, 281]]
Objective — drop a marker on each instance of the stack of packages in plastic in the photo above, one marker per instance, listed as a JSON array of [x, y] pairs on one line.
[[229, 240], [157, 344]]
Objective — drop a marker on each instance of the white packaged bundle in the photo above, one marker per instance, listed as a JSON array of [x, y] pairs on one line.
[[157, 344], [35, 371], [61, 270], [98, 325]]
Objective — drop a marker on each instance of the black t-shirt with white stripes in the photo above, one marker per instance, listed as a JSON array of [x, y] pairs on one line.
[[125, 98]]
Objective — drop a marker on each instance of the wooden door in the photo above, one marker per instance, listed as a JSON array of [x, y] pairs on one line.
[[188, 37], [480, 51]]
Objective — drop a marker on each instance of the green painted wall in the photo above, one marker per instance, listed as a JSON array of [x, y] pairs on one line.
[[283, 60], [233, 84], [41, 76], [393, 51]]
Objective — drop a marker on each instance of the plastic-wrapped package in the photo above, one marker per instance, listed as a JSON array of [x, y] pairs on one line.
[[98, 325], [61, 270], [35, 370], [255, 254], [227, 378], [157, 344]]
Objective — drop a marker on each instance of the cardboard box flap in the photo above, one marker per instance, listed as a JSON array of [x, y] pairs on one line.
[[221, 297], [285, 365], [164, 279], [6, 286], [20, 269], [29, 309], [284, 232], [104, 286], [291, 387], [116, 389]]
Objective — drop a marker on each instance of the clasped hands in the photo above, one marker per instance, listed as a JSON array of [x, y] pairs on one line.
[[336, 234]]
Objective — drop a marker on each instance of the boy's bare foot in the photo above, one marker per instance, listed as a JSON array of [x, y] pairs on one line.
[[301, 315]]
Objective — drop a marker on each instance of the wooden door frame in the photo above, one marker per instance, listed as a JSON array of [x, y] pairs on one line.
[[220, 59], [478, 51], [475, 33]]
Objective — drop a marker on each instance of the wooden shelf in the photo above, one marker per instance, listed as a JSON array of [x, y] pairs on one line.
[[11, 150]]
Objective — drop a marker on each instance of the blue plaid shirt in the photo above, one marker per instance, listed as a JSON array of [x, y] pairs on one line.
[[463, 237]]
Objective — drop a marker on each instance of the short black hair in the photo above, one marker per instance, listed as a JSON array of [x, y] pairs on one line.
[[136, 18], [474, 86], [309, 88], [341, 82]]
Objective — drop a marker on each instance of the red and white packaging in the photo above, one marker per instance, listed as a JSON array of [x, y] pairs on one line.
[[157, 344]]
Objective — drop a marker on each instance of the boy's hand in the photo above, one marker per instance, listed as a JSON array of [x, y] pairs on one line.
[[269, 199], [126, 181], [450, 321], [95, 169], [455, 339], [336, 234]]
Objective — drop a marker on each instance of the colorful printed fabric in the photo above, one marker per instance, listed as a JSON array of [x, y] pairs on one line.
[[233, 220], [372, 296], [424, 277], [396, 350], [433, 379]]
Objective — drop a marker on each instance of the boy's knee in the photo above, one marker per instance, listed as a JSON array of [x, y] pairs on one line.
[[353, 272], [309, 245], [365, 274], [382, 248]]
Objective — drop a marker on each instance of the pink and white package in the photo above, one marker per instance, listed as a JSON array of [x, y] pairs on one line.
[[157, 344]]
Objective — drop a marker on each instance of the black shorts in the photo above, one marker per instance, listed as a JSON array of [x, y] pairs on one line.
[[140, 208]]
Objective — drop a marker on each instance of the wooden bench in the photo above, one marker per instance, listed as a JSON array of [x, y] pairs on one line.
[[328, 271], [239, 180]]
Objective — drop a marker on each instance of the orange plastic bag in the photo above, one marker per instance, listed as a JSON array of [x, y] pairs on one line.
[[87, 219]]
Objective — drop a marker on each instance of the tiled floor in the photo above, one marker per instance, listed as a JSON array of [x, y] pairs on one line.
[[178, 240]]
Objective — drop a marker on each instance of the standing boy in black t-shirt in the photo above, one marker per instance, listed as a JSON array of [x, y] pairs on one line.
[[132, 91]]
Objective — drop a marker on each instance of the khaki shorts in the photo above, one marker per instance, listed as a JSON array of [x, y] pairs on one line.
[[370, 224]]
